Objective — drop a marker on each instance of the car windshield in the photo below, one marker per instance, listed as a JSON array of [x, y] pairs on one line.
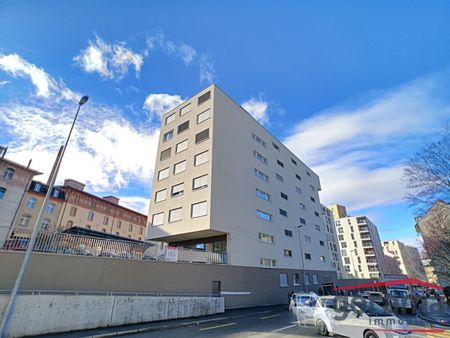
[[398, 293], [370, 308], [306, 301]]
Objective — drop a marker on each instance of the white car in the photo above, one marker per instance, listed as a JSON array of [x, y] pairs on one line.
[[356, 317], [305, 307]]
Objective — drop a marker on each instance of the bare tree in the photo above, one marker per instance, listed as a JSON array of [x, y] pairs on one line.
[[427, 174]]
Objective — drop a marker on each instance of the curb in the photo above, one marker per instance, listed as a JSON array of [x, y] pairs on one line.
[[178, 325]]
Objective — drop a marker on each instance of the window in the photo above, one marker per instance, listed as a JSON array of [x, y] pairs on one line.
[[203, 116], [307, 256], [202, 136], [266, 238], [25, 220], [264, 215], [163, 173], [322, 258], [284, 279], [287, 253], [165, 154], [287, 233], [315, 279], [298, 177], [343, 245], [9, 173], [302, 206], [55, 193], [118, 224], [200, 182], [179, 167], [308, 173], [51, 208], [2, 192], [141, 230], [267, 263], [343, 252], [170, 118], [275, 146], [261, 175], [307, 239], [284, 196], [73, 211], [45, 224], [346, 260], [341, 237], [199, 209], [257, 139], [283, 212], [201, 158], [281, 164], [341, 230], [158, 219], [186, 109], [105, 220], [263, 195], [302, 221], [279, 177], [351, 227], [260, 157], [203, 98], [321, 243], [296, 279], [306, 279], [177, 190], [175, 215], [182, 146], [312, 187], [31, 203], [316, 213], [183, 127], [130, 227], [90, 216], [168, 136], [160, 195], [293, 161], [355, 244], [312, 199], [299, 190]]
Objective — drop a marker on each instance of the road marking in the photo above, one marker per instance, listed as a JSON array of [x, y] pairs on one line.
[[267, 317], [283, 328], [217, 326]]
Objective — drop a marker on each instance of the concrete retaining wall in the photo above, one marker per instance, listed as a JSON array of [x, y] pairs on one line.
[[42, 314]]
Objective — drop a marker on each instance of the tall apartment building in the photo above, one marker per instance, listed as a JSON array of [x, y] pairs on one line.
[[332, 242], [223, 183], [408, 258], [360, 244], [15, 180]]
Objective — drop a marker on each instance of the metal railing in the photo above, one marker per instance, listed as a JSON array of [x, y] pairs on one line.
[[107, 293], [68, 244]]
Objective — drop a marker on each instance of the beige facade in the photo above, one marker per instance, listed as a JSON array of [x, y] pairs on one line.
[[408, 258], [223, 183], [361, 248], [82, 209], [339, 211], [332, 242], [15, 180], [30, 206]]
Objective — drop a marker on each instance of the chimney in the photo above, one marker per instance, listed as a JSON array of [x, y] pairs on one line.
[[74, 184]]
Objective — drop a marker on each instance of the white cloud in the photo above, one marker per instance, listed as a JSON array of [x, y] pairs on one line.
[[2, 83], [207, 72], [138, 203], [45, 85], [358, 149], [109, 60], [158, 104], [257, 108]]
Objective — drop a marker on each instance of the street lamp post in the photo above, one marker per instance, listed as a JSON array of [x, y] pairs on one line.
[[12, 299]]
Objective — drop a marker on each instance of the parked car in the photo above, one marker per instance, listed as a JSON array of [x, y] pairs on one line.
[[402, 299], [356, 317], [304, 307], [376, 297]]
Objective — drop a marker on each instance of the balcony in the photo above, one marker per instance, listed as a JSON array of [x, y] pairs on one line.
[[369, 252], [373, 268], [363, 228], [361, 220], [374, 275], [370, 260], [365, 236], [367, 244]]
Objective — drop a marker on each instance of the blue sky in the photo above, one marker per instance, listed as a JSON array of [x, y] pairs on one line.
[[353, 88]]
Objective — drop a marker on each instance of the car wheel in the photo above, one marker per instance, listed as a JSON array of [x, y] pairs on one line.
[[370, 334], [322, 328]]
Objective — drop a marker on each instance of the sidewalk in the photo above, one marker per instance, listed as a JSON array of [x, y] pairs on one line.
[[168, 324]]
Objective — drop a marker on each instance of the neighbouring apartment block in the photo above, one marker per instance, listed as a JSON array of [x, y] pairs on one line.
[[223, 183], [433, 226], [360, 244], [332, 242], [15, 180], [407, 257]]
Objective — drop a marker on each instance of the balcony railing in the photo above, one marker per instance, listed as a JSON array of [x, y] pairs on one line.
[[367, 244], [365, 236], [67, 244], [369, 252], [363, 229]]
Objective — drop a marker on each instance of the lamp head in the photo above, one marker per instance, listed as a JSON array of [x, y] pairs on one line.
[[83, 100]]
